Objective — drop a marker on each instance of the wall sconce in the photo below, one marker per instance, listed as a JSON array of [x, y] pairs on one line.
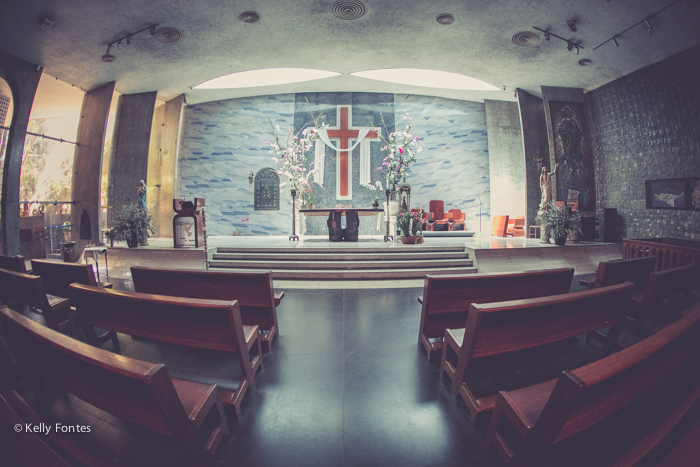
[[250, 178]]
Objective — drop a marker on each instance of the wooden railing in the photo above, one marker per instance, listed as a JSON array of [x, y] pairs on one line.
[[669, 252]]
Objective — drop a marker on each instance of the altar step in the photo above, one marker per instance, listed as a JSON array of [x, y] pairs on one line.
[[338, 263]]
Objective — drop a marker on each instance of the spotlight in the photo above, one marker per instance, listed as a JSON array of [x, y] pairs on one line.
[[128, 40], [152, 30], [572, 25], [108, 58], [45, 23], [569, 46], [646, 21], [547, 36], [250, 178], [617, 44], [577, 50]]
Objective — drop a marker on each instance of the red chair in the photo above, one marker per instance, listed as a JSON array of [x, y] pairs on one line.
[[437, 214]]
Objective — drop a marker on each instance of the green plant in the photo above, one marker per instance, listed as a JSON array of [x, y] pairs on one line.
[[558, 221], [132, 220], [407, 223]]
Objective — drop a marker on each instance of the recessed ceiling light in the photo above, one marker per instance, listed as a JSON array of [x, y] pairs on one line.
[[427, 78], [585, 62], [445, 19], [249, 17], [265, 77]]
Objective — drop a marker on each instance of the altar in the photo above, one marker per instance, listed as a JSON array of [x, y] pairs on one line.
[[335, 231]]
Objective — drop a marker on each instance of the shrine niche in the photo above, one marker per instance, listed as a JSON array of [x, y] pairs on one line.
[[188, 226], [267, 190]]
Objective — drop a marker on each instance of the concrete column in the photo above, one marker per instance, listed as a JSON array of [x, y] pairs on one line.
[[162, 163], [536, 146], [23, 78], [506, 159], [87, 166], [129, 162]]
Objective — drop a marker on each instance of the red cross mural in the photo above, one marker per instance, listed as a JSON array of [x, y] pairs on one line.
[[345, 132]]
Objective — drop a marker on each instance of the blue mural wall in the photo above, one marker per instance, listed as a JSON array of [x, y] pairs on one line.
[[226, 140]]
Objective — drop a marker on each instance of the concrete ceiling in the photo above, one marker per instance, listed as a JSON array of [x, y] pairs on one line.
[[305, 34]]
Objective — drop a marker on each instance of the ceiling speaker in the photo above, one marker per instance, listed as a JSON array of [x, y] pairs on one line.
[[166, 35], [525, 39], [348, 10]]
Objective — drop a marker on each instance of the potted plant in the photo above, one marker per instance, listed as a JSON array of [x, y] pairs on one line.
[[559, 221], [408, 224], [131, 222]]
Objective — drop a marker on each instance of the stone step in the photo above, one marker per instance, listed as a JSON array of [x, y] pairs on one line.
[[390, 248], [319, 257], [360, 275], [342, 265]]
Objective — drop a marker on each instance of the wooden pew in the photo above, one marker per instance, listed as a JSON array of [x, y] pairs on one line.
[[143, 393], [13, 263], [204, 324], [506, 327], [28, 290], [446, 299], [57, 278], [254, 292], [617, 271], [536, 425]]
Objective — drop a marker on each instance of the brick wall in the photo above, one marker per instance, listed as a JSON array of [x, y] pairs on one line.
[[646, 126]]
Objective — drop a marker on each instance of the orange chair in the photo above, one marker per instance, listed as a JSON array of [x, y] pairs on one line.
[[455, 217], [499, 226], [516, 227]]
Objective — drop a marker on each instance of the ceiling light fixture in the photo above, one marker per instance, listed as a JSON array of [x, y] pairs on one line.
[[585, 62], [249, 17], [645, 21], [572, 25], [265, 77], [427, 78], [166, 35], [569, 45], [445, 19]]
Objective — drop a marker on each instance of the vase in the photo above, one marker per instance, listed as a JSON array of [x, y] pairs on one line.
[[132, 239], [408, 240], [544, 235], [560, 239]]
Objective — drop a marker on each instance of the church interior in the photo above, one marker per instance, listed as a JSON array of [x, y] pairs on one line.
[[359, 200]]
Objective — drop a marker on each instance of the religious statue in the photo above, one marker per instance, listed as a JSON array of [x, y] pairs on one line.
[[546, 187], [141, 190]]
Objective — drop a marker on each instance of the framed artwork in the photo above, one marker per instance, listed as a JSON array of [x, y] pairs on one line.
[[694, 192], [572, 153], [667, 194]]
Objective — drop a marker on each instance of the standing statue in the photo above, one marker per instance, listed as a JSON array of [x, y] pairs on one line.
[[141, 190], [546, 187]]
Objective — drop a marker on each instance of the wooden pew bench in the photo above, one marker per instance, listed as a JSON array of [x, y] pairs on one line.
[[13, 263], [254, 292], [17, 289], [140, 392], [588, 413], [57, 278], [446, 299], [617, 271], [508, 327], [197, 323]]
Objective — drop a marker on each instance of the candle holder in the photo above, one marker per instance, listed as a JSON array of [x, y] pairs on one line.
[[387, 237], [294, 219]]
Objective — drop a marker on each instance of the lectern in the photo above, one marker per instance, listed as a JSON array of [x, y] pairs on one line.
[[187, 223]]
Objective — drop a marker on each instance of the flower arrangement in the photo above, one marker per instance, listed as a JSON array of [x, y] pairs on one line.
[[291, 156], [401, 148], [558, 221], [408, 223]]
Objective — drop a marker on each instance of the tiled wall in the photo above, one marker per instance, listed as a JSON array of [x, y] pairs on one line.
[[646, 126], [224, 141]]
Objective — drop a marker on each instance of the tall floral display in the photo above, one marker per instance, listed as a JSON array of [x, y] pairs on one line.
[[290, 157], [401, 148]]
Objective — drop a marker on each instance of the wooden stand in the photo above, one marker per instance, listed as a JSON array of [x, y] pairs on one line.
[[187, 209]]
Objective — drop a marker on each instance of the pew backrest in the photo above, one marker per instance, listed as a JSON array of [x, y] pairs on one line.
[[446, 299], [57, 277], [137, 391], [26, 289], [617, 271], [662, 285], [13, 263]]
